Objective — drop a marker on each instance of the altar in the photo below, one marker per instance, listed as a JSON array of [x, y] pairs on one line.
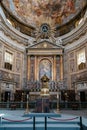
[[42, 104]]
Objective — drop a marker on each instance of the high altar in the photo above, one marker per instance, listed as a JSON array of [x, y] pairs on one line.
[[42, 105], [44, 58]]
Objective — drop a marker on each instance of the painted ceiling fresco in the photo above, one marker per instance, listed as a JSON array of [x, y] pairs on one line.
[[31, 11]]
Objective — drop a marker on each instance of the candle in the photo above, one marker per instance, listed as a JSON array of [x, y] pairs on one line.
[[57, 96]]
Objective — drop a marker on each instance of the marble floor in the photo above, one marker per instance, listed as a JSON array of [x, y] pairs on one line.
[[17, 115]]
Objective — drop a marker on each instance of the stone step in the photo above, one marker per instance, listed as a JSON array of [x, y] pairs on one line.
[[39, 127]]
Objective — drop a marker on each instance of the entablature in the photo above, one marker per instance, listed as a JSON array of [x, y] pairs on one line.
[[35, 51]]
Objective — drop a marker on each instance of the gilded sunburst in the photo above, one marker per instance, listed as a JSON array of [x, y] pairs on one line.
[[45, 29]]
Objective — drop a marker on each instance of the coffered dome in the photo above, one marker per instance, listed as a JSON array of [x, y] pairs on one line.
[[28, 14]]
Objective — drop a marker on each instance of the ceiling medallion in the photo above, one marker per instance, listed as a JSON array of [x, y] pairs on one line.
[[45, 30]]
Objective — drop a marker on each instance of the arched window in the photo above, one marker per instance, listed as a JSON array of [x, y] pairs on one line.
[[8, 60]]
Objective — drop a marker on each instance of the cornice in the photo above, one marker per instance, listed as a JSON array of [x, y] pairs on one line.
[[15, 35], [75, 34], [35, 51], [12, 32], [9, 42], [79, 42], [25, 40]]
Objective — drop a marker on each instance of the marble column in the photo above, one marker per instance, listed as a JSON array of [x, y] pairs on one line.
[[24, 82], [28, 68], [37, 75], [35, 68], [54, 69], [61, 67]]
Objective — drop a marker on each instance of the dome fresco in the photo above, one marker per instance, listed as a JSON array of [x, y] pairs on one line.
[[31, 11]]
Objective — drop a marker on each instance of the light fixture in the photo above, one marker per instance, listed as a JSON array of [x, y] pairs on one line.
[[81, 20], [9, 21]]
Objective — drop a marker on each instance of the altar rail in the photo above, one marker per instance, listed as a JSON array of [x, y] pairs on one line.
[[52, 105], [48, 121]]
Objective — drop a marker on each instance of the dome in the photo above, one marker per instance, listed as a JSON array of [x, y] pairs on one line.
[[63, 14]]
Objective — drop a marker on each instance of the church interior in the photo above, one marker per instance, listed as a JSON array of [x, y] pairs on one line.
[[41, 38]]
